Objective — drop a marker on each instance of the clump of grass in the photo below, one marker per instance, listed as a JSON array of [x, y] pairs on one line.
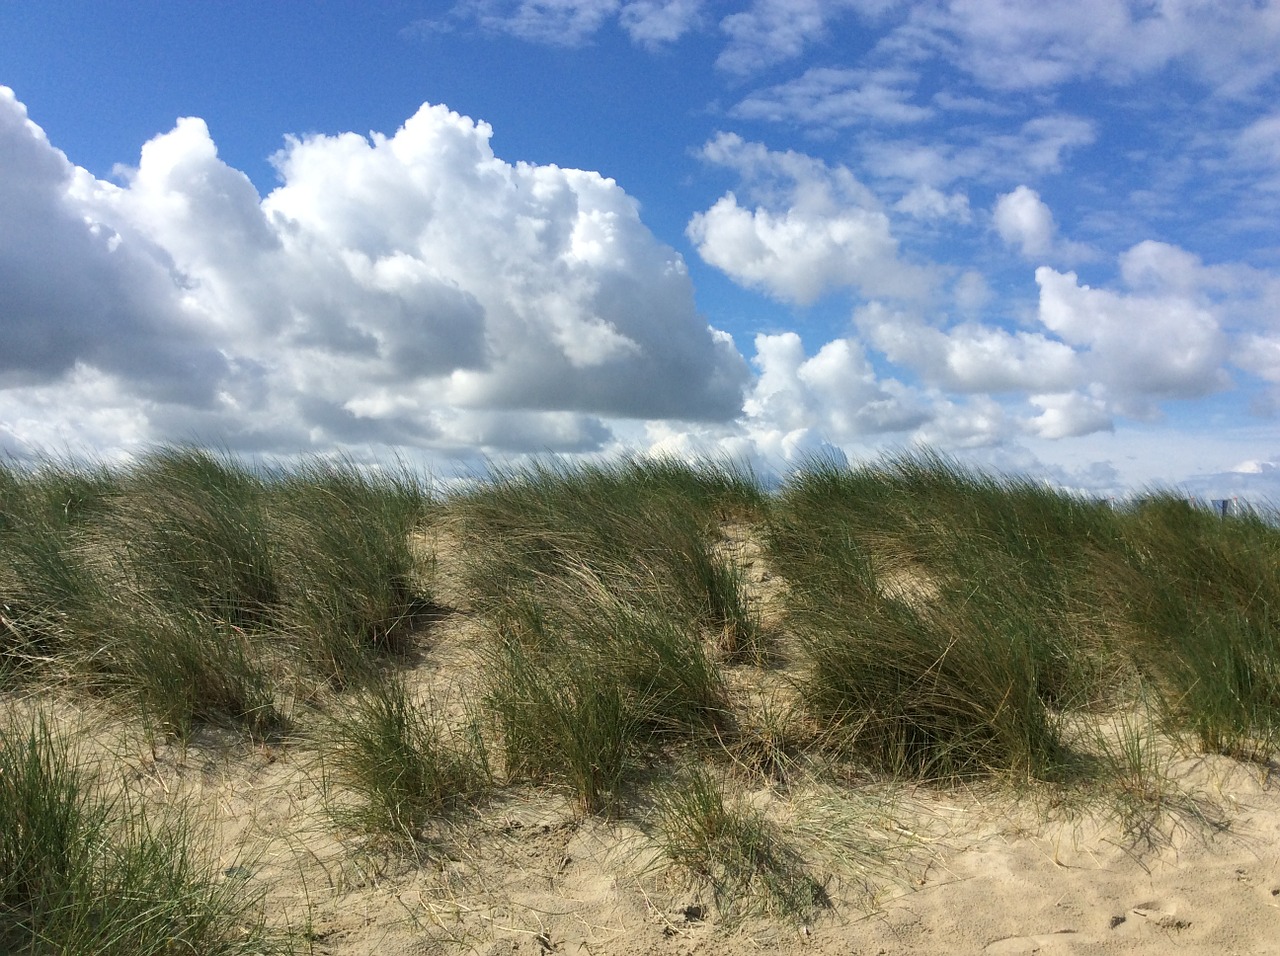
[[192, 533], [49, 596], [606, 592], [85, 871], [735, 849], [912, 693], [1124, 770], [952, 672], [656, 518], [765, 743], [48, 592], [184, 668], [583, 682], [557, 721], [395, 754], [351, 587], [1201, 601]]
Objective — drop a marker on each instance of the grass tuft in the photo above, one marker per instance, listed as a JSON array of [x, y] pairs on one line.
[[86, 871], [736, 850], [352, 589], [394, 754]]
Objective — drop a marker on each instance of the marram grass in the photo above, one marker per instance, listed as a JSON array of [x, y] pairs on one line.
[[925, 622]]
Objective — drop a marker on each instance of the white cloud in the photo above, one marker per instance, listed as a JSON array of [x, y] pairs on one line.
[[815, 229], [1023, 220], [774, 31], [1042, 141], [825, 99], [1234, 45], [801, 404], [1069, 415], [771, 31], [1256, 149], [977, 422], [1259, 142], [971, 292], [970, 357], [652, 23], [932, 205], [573, 23], [75, 289], [1146, 346], [407, 290], [1259, 353], [1038, 147], [554, 22]]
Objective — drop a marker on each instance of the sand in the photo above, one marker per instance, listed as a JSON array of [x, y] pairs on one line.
[[974, 871]]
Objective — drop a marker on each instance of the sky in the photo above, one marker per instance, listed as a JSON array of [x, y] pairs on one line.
[[1042, 236]]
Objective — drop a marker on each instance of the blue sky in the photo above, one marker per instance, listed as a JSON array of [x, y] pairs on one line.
[[1043, 236]]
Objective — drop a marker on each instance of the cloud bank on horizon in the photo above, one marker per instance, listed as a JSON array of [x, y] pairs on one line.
[[1027, 252]]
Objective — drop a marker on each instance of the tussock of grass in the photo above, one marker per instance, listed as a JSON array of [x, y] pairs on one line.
[[83, 870], [48, 592], [952, 672], [744, 858], [196, 536], [608, 598], [653, 519], [1140, 790], [349, 581], [583, 682], [1202, 604], [394, 753], [184, 668]]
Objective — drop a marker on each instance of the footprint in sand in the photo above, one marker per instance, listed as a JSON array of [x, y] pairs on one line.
[[1165, 918], [1060, 941]]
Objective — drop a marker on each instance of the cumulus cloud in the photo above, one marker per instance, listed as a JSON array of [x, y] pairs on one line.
[[73, 288], [1024, 221], [814, 229], [1069, 415], [408, 289], [970, 357], [1146, 346], [835, 391]]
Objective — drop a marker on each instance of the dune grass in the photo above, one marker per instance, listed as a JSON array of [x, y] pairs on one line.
[[947, 616], [87, 870], [1202, 601], [927, 623], [394, 753], [609, 601], [941, 613], [747, 861]]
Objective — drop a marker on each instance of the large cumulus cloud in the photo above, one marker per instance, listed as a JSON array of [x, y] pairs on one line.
[[814, 228], [404, 289]]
